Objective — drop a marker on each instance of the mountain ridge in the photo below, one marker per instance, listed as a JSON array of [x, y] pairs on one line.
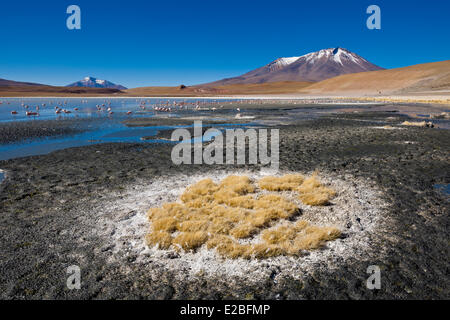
[[91, 82], [314, 66]]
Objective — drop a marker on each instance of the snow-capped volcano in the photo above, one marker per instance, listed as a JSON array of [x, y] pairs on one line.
[[314, 66], [96, 83]]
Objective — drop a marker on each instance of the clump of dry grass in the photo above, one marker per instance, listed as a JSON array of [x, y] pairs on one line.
[[311, 191], [300, 236], [161, 238], [219, 214], [190, 240], [286, 183]]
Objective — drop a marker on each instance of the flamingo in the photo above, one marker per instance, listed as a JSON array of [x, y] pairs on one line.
[[14, 112]]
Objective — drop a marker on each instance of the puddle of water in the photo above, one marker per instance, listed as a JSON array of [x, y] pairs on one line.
[[2, 176], [444, 188]]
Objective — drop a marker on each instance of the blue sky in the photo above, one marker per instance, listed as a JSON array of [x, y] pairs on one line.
[[142, 43]]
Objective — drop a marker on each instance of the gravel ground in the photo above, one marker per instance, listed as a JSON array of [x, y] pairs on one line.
[[22, 130], [84, 206]]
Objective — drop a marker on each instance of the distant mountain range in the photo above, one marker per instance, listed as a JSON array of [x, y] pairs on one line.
[[330, 71], [11, 83], [314, 66], [91, 82], [10, 88]]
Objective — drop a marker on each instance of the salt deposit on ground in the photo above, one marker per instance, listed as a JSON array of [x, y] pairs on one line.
[[356, 210]]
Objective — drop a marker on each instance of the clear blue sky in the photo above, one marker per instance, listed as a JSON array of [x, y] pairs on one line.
[[141, 43]]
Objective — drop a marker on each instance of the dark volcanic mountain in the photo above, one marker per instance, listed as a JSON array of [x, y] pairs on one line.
[[91, 82], [315, 66]]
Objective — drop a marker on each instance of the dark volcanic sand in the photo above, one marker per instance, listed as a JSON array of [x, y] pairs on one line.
[[45, 222]]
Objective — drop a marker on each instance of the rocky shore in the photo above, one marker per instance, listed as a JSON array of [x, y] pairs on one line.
[[79, 206]]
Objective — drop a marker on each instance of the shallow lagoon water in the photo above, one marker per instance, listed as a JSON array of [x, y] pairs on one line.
[[111, 131], [101, 127], [87, 107]]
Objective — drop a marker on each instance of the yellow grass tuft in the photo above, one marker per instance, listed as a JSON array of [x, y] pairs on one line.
[[239, 184], [313, 193], [161, 238], [191, 240], [165, 224], [286, 183], [218, 215]]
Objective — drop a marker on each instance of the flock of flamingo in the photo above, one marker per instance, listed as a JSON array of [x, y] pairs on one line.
[[167, 106], [29, 112], [144, 106]]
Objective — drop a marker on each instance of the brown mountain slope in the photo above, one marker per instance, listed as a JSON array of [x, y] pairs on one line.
[[47, 91], [233, 89], [417, 78], [282, 87], [11, 83], [180, 91]]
